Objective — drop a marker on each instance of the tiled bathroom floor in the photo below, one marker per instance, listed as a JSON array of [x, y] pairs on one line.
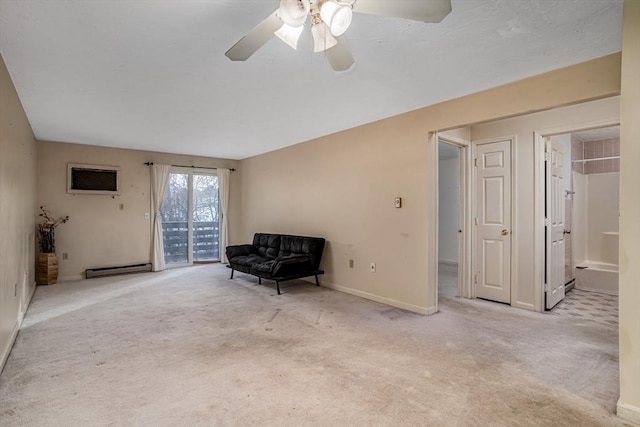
[[601, 308], [577, 304]]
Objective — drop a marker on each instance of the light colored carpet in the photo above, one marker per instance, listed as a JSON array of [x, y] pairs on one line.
[[447, 281], [188, 347]]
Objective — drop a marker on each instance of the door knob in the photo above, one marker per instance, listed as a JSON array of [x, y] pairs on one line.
[[505, 232]]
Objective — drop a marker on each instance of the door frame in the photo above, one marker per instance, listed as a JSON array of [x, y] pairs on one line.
[[551, 199], [191, 172], [539, 194], [464, 217], [513, 265]]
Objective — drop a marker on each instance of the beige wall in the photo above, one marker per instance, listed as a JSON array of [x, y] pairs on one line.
[[342, 186], [565, 119], [629, 284], [99, 234], [17, 209]]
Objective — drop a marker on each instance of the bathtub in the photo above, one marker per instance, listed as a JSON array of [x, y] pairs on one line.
[[597, 276]]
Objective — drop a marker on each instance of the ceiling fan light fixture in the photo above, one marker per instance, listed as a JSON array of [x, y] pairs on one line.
[[322, 37], [337, 16], [294, 12], [290, 35]]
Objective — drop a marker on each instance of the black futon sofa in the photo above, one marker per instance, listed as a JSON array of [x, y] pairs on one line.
[[278, 257]]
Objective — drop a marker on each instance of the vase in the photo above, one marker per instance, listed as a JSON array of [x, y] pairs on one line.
[[47, 269]]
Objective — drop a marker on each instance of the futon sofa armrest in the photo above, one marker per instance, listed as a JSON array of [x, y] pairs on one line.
[[240, 250], [291, 265]]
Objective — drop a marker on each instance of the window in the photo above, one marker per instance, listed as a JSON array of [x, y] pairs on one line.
[[190, 214]]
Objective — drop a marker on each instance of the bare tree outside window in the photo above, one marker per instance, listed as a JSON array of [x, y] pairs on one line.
[[175, 206], [205, 218], [205, 198]]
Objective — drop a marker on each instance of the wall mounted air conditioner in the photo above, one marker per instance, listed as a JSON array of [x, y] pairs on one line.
[[93, 179]]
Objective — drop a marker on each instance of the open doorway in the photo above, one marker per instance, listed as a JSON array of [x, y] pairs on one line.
[[589, 210], [449, 224], [451, 259], [527, 230]]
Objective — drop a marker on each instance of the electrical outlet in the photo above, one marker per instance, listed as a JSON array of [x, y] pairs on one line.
[[65, 256], [398, 202], [372, 267], [350, 263]]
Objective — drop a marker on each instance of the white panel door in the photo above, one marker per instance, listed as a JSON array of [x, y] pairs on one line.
[[493, 221], [555, 224]]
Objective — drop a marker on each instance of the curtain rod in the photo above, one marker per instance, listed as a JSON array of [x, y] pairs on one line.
[[193, 167], [594, 159]]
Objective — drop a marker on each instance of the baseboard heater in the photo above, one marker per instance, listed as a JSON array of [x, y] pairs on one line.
[[112, 271]]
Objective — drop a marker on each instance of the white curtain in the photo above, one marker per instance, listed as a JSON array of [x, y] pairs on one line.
[[223, 198], [159, 180]]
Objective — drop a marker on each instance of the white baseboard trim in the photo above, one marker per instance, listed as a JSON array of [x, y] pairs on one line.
[[628, 412], [7, 349], [448, 262], [27, 303], [16, 328], [431, 310], [388, 301], [526, 306]]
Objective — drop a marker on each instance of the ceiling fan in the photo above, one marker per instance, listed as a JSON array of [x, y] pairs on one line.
[[329, 21]]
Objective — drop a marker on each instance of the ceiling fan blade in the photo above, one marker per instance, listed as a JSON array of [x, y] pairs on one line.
[[417, 10], [339, 56], [255, 39]]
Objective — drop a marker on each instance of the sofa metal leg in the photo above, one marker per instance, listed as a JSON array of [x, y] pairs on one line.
[[278, 287], [259, 280], [317, 281], [231, 274]]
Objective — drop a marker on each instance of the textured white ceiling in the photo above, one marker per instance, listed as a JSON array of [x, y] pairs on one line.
[[152, 75]]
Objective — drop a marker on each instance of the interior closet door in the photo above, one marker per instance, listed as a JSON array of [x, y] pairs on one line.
[[555, 223], [493, 221]]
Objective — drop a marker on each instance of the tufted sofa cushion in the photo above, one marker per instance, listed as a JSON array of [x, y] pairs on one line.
[[267, 245], [250, 260], [299, 245]]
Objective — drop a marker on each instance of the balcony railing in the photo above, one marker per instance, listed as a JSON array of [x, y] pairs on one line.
[[176, 241]]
